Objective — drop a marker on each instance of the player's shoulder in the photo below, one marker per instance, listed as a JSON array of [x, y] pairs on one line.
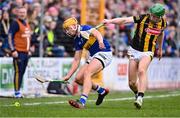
[[144, 15], [164, 19], [85, 27], [140, 17], [164, 22], [14, 25], [14, 21]]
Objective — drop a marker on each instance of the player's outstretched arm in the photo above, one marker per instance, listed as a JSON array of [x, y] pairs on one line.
[[74, 66], [123, 20]]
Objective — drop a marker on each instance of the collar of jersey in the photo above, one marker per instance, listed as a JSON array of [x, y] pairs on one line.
[[78, 30]]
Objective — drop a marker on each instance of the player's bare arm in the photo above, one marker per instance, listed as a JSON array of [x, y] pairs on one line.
[[75, 65], [99, 37], [123, 20], [160, 44]]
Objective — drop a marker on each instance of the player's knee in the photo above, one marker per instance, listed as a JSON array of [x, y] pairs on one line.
[[78, 80]]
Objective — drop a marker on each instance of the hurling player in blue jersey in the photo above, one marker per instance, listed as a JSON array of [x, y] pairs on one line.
[[100, 57]]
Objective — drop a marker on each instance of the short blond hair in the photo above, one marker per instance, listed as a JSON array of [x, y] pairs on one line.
[[69, 21]]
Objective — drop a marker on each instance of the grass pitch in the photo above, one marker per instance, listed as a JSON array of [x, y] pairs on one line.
[[116, 104]]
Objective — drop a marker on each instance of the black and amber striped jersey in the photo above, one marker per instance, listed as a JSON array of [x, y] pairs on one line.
[[146, 33]]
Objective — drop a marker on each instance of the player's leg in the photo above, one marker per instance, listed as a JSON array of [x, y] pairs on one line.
[[25, 63], [132, 70], [79, 79], [80, 75], [142, 74], [132, 73], [105, 59], [98, 62], [93, 67], [17, 77]]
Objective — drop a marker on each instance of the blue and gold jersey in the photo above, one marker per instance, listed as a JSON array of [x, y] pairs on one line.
[[90, 44]]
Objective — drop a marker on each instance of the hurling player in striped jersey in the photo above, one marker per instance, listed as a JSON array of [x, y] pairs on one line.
[[149, 30]]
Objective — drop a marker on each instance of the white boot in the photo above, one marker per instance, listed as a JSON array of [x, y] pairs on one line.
[[138, 102]]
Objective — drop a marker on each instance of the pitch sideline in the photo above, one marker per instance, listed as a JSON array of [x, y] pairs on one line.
[[106, 100]]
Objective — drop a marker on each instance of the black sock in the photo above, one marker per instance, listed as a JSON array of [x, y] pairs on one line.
[[141, 94], [135, 92]]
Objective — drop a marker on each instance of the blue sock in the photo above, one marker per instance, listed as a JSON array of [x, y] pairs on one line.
[[83, 99], [100, 90]]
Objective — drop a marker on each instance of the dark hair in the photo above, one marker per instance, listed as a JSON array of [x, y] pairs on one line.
[[1, 14], [21, 7], [3, 11]]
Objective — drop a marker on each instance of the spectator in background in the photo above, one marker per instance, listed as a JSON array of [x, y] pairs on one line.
[[19, 2], [63, 39], [50, 47], [5, 25], [1, 40], [1, 49], [0, 14], [13, 11], [170, 45], [53, 12], [110, 35], [33, 17], [75, 13], [19, 42], [37, 11]]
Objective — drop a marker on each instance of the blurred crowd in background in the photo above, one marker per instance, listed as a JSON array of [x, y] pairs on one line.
[[57, 44]]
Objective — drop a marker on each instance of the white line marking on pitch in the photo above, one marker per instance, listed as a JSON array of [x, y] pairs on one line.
[[107, 100]]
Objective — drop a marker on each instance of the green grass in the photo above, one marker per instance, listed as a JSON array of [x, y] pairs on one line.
[[114, 106]]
